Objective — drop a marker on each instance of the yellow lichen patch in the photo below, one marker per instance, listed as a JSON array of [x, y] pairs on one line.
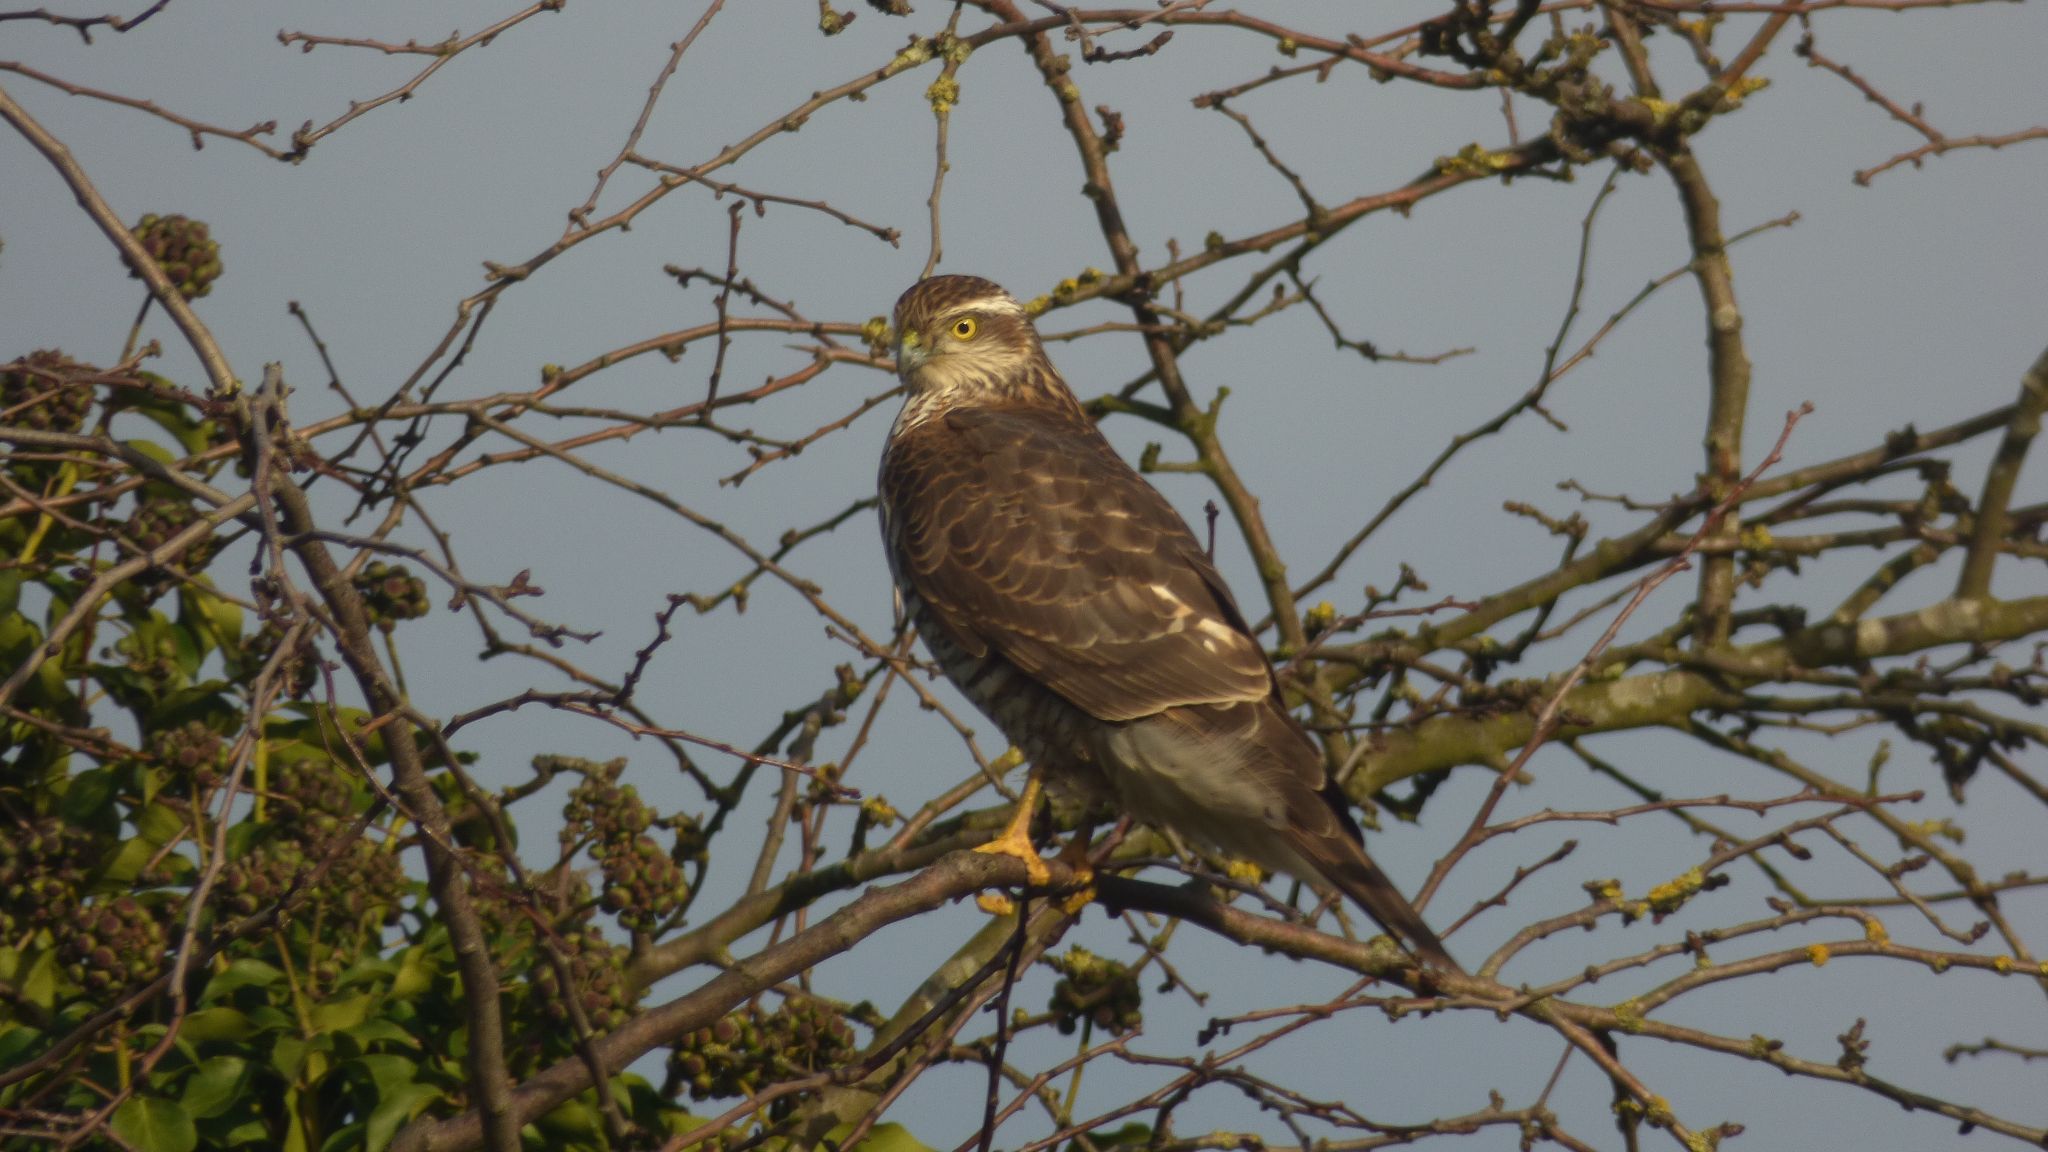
[[1756, 536], [1873, 931], [1818, 953], [1604, 889], [1942, 827], [918, 52], [1036, 305], [1702, 29], [1670, 895], [1661, 109], [943, 94], [1474, 160], [2001, 965], [879, 811], [1744, 88], [1628, 1017], [876, 334]]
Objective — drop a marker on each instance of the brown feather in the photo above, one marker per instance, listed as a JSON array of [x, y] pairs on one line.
[[1026, 534]]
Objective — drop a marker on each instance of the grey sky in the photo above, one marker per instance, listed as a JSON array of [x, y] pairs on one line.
[[1916, 300]]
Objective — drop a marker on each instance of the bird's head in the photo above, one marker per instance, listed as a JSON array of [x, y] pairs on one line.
[[966, 340]]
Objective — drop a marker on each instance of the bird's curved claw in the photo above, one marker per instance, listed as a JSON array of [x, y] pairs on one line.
[[1015, 842], [1075, 857]]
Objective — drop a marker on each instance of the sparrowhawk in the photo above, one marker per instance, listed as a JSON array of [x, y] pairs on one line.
[[1072, 604]]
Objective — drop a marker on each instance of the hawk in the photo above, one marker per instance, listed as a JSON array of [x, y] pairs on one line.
[[1069, 601]]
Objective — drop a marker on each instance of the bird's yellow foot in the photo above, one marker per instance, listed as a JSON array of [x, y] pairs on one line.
[[1014, 842], [1079, 898], [1015, 839], [1245, 870], [1075, 857]]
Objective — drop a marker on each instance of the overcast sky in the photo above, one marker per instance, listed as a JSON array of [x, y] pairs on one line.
[[1918, 299]]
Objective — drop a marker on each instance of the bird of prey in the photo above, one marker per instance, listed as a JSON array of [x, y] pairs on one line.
[[1070, 602]]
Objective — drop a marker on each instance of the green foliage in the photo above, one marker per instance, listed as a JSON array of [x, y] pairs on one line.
[[1095, 990], [748, 1050], [40, 394], [392, 593], [322, 1004], [186, 250]]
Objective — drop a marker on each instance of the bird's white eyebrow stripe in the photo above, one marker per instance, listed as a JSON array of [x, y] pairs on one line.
[[1002, 304]]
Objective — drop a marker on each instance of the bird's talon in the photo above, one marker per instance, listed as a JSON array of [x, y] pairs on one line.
[[1244, 870], [1081, 897], [1015, 843]]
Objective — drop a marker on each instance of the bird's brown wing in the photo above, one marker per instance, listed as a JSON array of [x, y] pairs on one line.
[[1024, 532]]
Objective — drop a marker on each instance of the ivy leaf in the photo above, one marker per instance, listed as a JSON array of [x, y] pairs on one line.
[[214, 1024], [17, 1043], [287, 1056], [18, 637], [158, 453], [335, 1015], [301, 731], [87, 801], [155, 1125], [127, 862], [168, 415], [388, 1072], [158, 825], [294, 1128], [416, 971], [214, 1085], [392, 1110], [218, 622], [381, 1030], [243, 973], [574, 1121], [38, 985]]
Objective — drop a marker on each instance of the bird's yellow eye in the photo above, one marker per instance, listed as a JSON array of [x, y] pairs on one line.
[[964, 328]]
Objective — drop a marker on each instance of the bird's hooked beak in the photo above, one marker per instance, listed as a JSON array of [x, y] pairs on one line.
[[911, 353]]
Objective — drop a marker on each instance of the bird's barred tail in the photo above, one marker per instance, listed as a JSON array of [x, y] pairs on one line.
[[1369, 888]]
